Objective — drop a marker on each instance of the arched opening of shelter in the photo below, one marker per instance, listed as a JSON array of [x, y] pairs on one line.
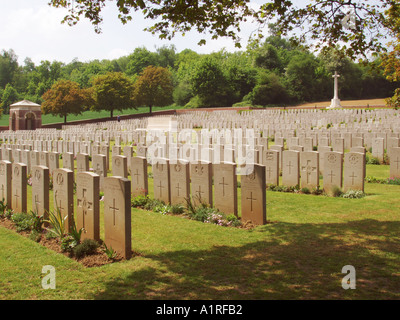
[[30, 121]]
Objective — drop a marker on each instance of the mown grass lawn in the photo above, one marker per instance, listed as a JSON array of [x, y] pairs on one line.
[[299, 255]]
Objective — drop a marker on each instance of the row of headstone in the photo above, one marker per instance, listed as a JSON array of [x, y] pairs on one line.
[[117, 201], [307, 165], [304, 169], [176, 183]]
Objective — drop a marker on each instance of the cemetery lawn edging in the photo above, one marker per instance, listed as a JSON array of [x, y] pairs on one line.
[[95, 259]]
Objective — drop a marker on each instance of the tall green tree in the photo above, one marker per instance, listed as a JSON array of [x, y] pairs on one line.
[[139, 60], [8, 67], [269, 90], [166, 56], [112, 91], [209, 83], [267, 57], [153, 88], [9, 96], [301, 78], [240, 74]]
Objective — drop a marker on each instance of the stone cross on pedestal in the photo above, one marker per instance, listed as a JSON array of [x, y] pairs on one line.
[[335, 102], [335, 92]]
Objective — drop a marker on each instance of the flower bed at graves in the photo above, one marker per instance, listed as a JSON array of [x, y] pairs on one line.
[[201, 213], [88, 253]]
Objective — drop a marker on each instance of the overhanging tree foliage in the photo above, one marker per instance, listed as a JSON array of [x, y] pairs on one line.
[[360, 25], [358, 28]]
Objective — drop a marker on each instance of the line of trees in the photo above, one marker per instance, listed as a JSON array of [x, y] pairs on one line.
[[274, 72]]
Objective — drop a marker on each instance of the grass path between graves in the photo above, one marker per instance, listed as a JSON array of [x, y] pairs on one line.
[[299, 255]]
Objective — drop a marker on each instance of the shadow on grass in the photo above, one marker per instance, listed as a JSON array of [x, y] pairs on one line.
[[297, 261]]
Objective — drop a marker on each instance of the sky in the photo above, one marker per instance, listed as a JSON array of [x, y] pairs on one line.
[[33, 29]]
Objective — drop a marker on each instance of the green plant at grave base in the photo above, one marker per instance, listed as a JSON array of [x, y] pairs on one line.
[[305, 190], [371, 179], [371, 160], [216, 218], [72, 239], [336, 192], [162, 208], [392, 181], [353, 194], [37, 221], [74, 186], [154, 204], [3, 207], [199, 213], [190, 206], [35, 236], [22, 220], [139, 201], [317, 191], [75, 234], [57, 223], [68, 243], [110, 252], [87, 247], [177, 209], [50, 235], [50, 182], [233, 221], [202, 213], [8, 214], [386, 159], [291, 189], [395, 181]]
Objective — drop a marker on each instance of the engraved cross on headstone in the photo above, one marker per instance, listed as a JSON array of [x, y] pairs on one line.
[[290, 167], [137, 175], [58, 206], [269, 170], [85, 205], [160, 186], [352, 178], [16, 196], [199, 192], [331, 175], [397, 163], [223, 185], [37, 202], [308, 169], [251, 201], [178, 188], [114, 209]]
